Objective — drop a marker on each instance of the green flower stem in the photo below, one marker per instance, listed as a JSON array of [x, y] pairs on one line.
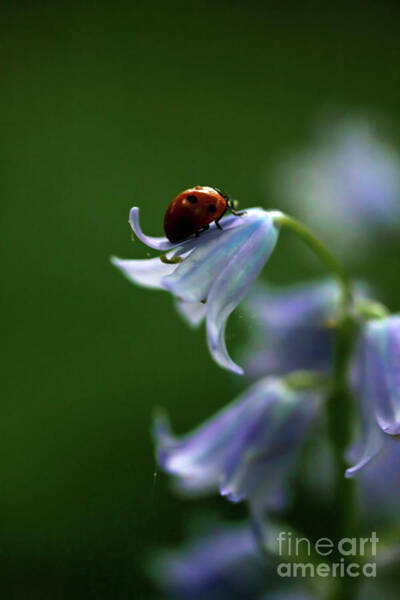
[[370, 309], [339, 404], [303, 380], [320, 250], [340, 420]]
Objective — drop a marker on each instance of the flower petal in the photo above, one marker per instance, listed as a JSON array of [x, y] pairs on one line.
[[148, 272], [163, 244], [198, 458], [374, 441], [383, 371], [194, 277], [158, 243], [263, 454], [246, 450], [373, 437], [221, 563], [380, 482], [290, 327], [233, 283], [193, 312], [294, 305]]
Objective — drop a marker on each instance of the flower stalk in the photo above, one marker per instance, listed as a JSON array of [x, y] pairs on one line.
[[303, 380], [321, 251], [340, 421], [339, 404]]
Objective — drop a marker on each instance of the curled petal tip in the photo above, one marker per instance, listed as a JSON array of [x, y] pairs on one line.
[[392, 429], [372, 447], [352, 471], [238, 370], [158, 243], [233, 367], [349, 473], [217, 347]]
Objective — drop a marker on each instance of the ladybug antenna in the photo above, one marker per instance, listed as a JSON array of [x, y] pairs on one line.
[[231, 205]]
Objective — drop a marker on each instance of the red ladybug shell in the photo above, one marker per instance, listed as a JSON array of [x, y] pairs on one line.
[[193, 210]]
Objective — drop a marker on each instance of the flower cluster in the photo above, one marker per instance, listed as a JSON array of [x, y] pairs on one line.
[[248, 450]]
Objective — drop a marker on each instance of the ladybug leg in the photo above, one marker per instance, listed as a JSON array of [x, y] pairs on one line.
[[236, 212], [202, 229], [218, 225]]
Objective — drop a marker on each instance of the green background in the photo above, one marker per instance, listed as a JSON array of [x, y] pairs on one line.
[[104, 106]]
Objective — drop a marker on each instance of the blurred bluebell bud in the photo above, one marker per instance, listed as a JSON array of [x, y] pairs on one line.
[[292, 328], [346, 184], [221, 564]]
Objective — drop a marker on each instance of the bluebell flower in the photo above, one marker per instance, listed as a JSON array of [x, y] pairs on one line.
[[293, 592], [221, 564], [346, 184], [380, 485], [216, 270], [377, 385], [290, 328], [246, 451]]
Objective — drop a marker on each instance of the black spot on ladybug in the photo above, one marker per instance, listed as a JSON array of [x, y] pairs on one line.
[[212, 208], [192, 199]]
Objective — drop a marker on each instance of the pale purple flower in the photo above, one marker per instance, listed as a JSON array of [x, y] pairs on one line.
[[293, 592], [217, 269], [244, 452], [346, 185], [223, 563], [377, 385], [380, 484], [290, 328]]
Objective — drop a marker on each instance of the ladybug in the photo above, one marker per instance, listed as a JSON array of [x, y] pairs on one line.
[[192, 211]]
